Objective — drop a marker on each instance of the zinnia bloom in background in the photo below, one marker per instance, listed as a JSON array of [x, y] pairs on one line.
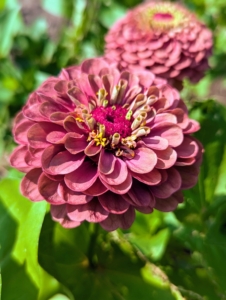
[[98, 144], [162, 37]]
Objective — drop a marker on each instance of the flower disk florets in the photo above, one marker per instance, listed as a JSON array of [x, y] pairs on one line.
[[162, 37], [98, 144]]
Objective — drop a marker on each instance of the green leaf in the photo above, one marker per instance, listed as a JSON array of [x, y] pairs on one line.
[[10, 25], [113, 273]]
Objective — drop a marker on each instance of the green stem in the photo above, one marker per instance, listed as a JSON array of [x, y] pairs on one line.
[[94, 228]]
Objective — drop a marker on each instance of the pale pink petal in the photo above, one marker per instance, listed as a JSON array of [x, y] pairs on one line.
[[166, 158], [152, 178], [93, 66], [119, 174], [143, 162], [155, 142], [188, 148], [20, 131], [173, 133], [92, 149], [17, 159]]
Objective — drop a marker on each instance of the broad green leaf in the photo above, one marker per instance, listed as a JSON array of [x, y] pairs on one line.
[[91, 265]]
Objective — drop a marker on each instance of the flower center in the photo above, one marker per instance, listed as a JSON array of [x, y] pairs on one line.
[[162, 16], [114, 119]]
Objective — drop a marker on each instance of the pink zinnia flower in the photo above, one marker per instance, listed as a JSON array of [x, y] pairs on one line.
[[98, 144], [162, 37]]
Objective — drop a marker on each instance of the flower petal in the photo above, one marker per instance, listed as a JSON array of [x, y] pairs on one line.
[[113, 203], [83, 178], [29, 185], [170, 186], [91, 212], [170, 203], [75, 143], [56, 162], [49, 190], [152, 178], [119, 174], [59, 214], [139, 195], [173, 133], [96, 189], [166, 158], [123, 221], [106, 162], [143, 162], [120, 188]]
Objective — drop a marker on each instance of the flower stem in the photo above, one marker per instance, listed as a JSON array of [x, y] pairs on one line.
[[94, 228]]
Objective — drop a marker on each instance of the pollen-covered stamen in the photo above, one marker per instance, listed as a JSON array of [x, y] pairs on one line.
[[114, 120]]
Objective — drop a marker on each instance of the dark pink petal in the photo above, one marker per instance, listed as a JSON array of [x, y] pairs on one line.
[[123, 221], [37, 134], [166, 158], [47, 108], [59, 214], [56, 162], [91, 212], [106, 162], [169, 204], [96, 189], [17, 159], [173, 133], [113, 203], [82, 178], [189, 176], [170, 186], [72, 197], [152, 178], [120, 188], [49, 190], [144, 209], [31, 109], [75, 143], [143, 162], [29, 185], [119, 174], [139, 195]]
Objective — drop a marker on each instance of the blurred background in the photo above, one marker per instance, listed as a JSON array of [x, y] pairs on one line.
[[177, 255]]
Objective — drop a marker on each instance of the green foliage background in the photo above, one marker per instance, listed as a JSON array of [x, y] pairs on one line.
[[178, 255]]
